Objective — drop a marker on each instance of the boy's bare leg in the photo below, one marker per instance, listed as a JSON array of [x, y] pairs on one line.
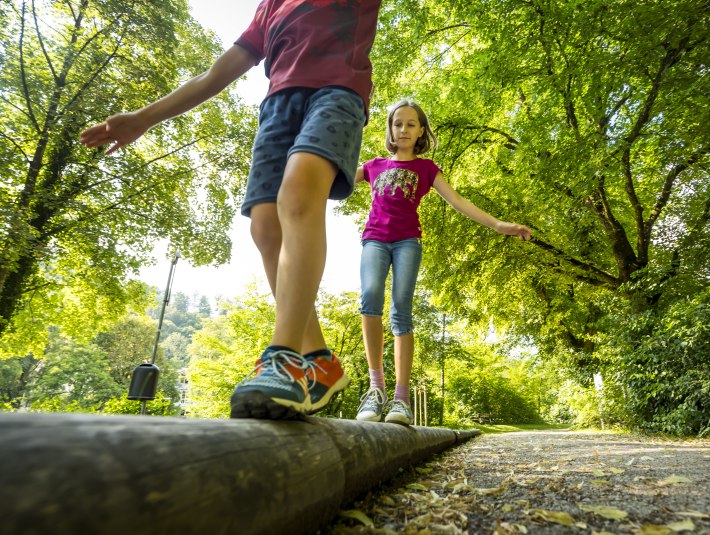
[[277, 390], [373, 337], [301, 211], [266, 233]]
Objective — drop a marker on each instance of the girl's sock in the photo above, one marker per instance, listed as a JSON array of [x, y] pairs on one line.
[[377, 379], [401, 392]]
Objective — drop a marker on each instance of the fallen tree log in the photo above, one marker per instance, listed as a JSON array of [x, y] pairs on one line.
[[79, 473]]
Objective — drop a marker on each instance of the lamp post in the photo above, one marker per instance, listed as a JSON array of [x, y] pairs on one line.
[[144, 381]]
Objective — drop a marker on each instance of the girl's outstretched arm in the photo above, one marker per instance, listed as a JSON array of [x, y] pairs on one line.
[[124, 128], [359, 175], [472, 211]]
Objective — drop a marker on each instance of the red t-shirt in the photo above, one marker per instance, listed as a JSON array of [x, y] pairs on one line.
[[314, 43], [397, 189]]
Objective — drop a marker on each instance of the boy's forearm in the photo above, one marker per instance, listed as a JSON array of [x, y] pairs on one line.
[[229, 67], [189, 95]]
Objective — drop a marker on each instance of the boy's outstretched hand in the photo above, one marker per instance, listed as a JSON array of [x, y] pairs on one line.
[[118, 130], [513, 229]]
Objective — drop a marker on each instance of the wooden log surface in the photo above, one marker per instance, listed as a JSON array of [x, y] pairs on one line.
[[93, 474]]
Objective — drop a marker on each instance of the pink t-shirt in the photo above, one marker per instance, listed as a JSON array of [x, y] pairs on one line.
[[397, 189], [314, 43]]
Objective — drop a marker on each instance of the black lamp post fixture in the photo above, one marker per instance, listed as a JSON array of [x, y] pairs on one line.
[[144, 381]]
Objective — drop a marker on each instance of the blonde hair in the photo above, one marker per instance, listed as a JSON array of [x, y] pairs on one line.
[[425, 142]]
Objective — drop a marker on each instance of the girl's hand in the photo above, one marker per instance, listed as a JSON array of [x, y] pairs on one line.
[[513, 229], [121, 130]]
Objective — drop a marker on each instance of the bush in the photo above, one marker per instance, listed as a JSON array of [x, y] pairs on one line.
[[663, 373], [160, 406]]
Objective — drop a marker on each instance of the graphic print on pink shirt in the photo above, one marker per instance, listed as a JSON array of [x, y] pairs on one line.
[[404, 179]]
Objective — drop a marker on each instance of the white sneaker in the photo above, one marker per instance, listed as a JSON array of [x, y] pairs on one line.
[[371, 404], [399, 413]]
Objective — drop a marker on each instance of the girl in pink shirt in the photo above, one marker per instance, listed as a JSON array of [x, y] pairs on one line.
[[392, 238]]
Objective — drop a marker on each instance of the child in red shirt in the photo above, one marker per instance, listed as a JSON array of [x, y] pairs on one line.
[[315, 54]]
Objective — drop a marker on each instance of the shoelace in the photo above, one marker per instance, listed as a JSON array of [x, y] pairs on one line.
[[398, 405], [310, 368], [279, 360], [371, 399]]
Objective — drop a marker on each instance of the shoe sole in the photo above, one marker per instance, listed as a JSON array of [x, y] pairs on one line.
[[373, 418], [259, 406], [340, 385], [396, 420]]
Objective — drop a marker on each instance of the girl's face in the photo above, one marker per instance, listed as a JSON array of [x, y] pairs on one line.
[[406, 129]]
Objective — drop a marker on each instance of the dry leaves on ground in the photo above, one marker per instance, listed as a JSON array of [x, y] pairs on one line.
[[545, 483]]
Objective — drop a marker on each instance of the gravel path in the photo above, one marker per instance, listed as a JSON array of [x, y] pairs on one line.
[[545, 482]]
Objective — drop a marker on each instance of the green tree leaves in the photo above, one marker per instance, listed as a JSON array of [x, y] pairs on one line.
[[73, 219]]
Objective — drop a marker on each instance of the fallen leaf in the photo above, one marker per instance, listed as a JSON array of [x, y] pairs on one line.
[[416, 486], [504, 528], [521, 528], [496, 490], [696, 514], [673, 480], [423, 519], [563, 518], [616, 470], [654, 529], [388, 501], [604, 511], [358, 515], [682, 525], [444, 529]]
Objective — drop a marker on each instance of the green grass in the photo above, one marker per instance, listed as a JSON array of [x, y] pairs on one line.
[[511, 428]]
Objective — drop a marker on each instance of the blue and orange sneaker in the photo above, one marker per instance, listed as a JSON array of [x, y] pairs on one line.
[[326, 378], [277, 388]]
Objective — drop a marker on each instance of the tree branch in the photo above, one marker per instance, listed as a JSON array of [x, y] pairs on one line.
[[668, 186], [16, 145], [41, 43], [600, 277], [23, 71]]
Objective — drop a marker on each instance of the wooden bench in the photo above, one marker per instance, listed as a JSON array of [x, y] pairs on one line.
[[483, 418]]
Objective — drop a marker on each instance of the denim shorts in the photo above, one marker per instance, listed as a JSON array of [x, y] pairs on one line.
[[327, 122], [404, 257]]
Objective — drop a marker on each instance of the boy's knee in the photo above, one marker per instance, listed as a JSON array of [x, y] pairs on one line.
[[265, 228], [306, 185]]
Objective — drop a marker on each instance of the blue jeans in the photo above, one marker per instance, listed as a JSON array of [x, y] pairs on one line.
[[404, 256]]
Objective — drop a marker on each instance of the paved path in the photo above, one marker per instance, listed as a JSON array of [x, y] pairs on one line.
[[550, 482]]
